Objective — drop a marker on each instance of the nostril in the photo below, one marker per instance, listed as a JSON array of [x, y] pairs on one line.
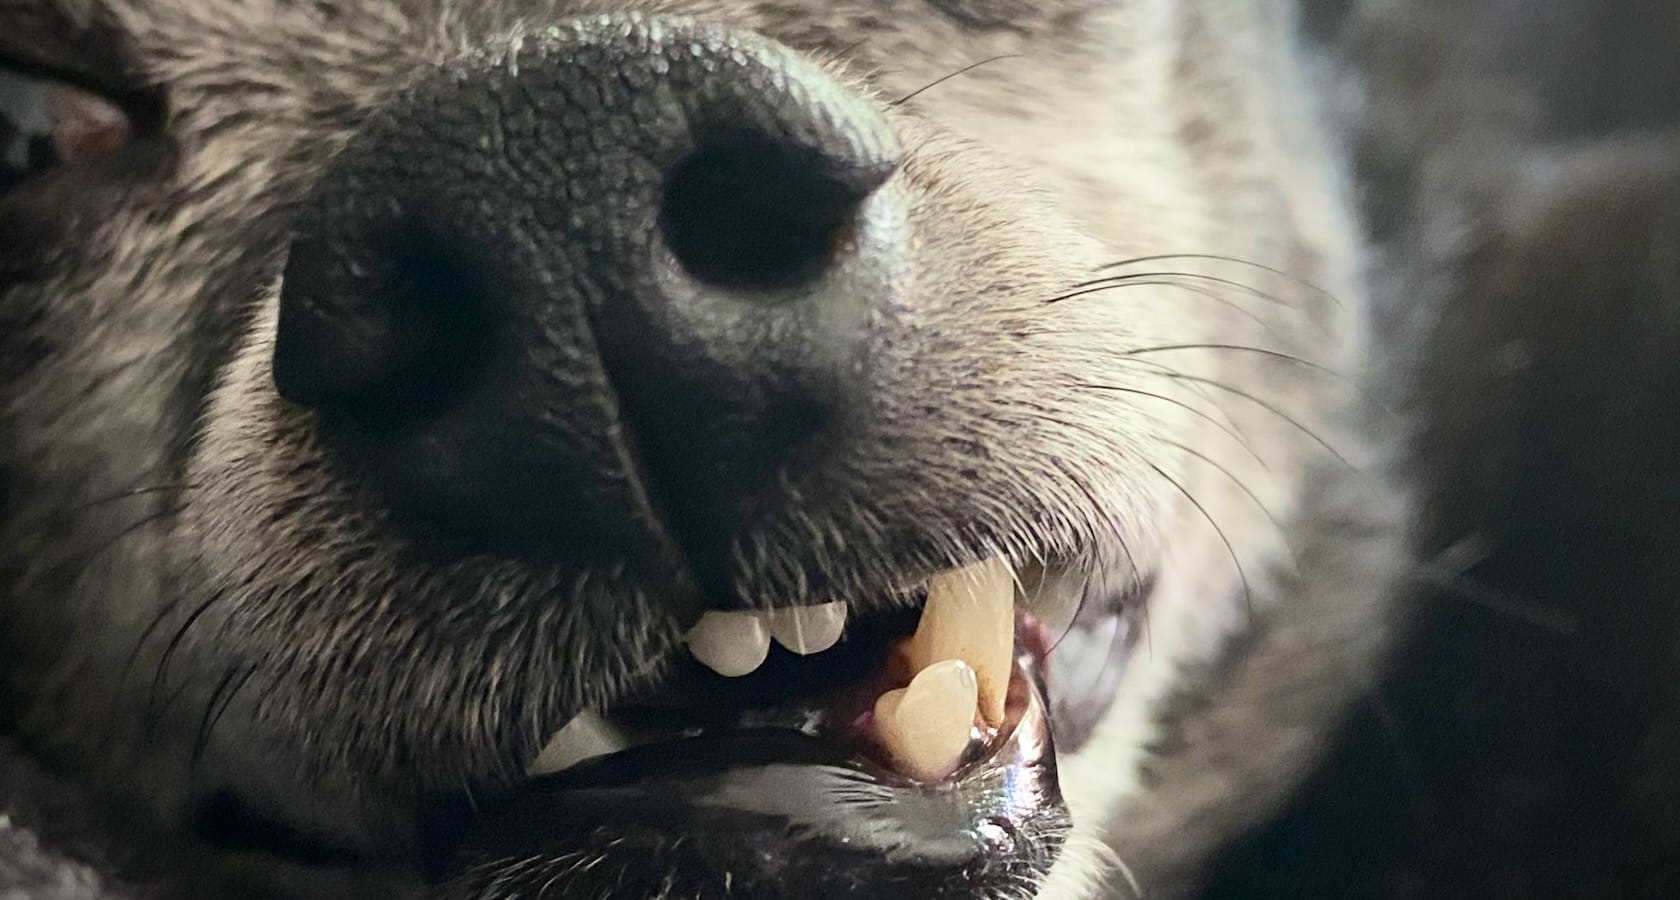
[[396, 315], [745, 211]]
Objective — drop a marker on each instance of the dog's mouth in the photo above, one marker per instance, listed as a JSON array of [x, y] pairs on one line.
[[796, 753]]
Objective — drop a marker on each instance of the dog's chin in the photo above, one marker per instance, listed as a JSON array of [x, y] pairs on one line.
[[796, 753]]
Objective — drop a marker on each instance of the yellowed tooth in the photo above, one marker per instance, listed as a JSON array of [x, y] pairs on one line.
[[970, 615], [927, 726]]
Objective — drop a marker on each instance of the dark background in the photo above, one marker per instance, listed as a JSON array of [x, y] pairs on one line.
[[1519, 168]]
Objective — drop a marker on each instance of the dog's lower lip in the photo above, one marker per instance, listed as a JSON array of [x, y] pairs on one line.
[[776, 812]]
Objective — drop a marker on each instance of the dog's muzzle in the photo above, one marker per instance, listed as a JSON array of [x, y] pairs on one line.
[[579, 299]]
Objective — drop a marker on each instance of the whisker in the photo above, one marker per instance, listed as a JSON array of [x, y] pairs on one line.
[[1136, 577], [155, 712], [148, 519], [1085, 288], [846, 51], [1243, 348], [1360, 391], [1204, 393], [1242, 486], [947, 77], [145, 635], [1234, 260], [128, 666], [159, 677], [1193, 289], [1269, 407], [1248, 594], [131, 492], [217, 706], [1240, 440]]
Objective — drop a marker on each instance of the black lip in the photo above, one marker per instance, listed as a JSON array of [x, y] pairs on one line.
[[759, 814], [226, 822]]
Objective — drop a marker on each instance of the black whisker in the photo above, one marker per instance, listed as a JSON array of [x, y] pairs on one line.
[[1202, 392], [1269, 407], [1242, 486], [131, 492], [128, 666], [217, 706], [1199, 291], [1119, 637], [162, 673], [148, 519], [1242, 348], [849, 49], [1240, 440], [145, 635], [1215, 257], [1363, 394], [1098, 285], [944, 78], [155, 712], [1120, 539], [1248, 594]]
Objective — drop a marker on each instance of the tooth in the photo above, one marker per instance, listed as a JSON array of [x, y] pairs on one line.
[[808, 629], [731, 644], [970, 615], [586, 736], [927, 726]]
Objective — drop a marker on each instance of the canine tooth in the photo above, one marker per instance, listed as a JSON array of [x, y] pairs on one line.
[[808, 629], [586, 736], [970, 615], [927, 726], [731, 644]]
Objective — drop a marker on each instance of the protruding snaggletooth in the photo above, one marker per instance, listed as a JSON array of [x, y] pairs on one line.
[[927, 726], [970, 615], [731, 644], [586, 736], [808, 629]]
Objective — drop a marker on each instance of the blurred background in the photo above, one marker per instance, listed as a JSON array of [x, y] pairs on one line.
[[1518, 163]]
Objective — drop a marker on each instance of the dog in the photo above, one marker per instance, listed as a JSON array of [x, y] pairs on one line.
[[506, 449]]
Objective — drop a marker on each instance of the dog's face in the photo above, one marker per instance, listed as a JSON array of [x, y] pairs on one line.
[[404, 398]]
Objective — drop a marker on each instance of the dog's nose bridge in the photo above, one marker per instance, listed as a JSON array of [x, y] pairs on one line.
[[635, 243]]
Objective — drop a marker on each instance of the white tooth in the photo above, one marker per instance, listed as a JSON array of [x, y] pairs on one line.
[[731, 644], [970, 615], [808, 629], [927, 726], [586, 736]]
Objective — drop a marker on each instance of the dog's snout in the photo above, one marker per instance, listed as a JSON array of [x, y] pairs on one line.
[[592, 281]]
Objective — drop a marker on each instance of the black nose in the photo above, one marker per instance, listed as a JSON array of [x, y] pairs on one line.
[[600, 281]]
